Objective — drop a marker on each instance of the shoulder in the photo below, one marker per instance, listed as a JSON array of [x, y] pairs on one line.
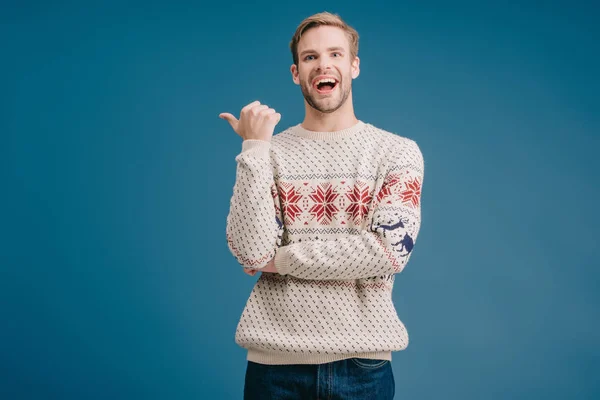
[[281, 142], [283, 136], [403, 151], [394, 141]]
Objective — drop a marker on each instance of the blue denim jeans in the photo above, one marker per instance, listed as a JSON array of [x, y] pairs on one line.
[[349, 379]]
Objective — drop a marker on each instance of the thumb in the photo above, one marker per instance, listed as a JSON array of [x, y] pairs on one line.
[[231, 119]]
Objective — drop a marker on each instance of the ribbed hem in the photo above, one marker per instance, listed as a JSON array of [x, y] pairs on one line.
[[282, 261], [255, 146], [262, 357], [298, 130]]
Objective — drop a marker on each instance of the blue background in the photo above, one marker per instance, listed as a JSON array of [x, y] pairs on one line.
[[116, 280]]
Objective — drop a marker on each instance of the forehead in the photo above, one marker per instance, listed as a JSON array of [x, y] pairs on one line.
[[323, 37]]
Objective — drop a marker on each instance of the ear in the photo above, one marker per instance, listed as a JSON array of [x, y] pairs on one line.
[[294, 71], [355, 67]]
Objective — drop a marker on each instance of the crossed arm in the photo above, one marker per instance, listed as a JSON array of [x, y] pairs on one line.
[[383, 248]]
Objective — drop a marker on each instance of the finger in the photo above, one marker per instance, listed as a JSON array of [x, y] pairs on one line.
[[229, 118], [256, 110], [275, 118], [249, 106], [267, 112]]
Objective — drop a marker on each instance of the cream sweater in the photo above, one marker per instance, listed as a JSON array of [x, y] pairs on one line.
[[340, 213]]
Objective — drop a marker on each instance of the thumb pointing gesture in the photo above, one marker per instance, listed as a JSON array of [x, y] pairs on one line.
[[257, 121], [233, 121]]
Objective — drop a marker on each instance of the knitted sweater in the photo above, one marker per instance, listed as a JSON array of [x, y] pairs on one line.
[[340, 213]]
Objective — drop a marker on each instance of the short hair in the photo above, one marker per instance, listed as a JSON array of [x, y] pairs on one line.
[[324, 19]]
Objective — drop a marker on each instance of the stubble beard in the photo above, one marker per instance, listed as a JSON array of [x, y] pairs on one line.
[[313, 101]]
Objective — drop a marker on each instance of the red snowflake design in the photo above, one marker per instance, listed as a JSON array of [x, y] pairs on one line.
[[388, 186], [289, 197], [360, 199], [412, 194], [324, 209]]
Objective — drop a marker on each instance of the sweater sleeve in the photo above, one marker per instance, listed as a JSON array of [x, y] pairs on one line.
[[254, 227], [384, 247]]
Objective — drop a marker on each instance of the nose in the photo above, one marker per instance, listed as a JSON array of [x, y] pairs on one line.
[[324, 64]]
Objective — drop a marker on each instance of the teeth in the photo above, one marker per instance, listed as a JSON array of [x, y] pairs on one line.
[[325, 80]]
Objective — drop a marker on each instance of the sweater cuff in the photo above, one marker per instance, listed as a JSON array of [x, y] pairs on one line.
[[283, 263], [256, 147]]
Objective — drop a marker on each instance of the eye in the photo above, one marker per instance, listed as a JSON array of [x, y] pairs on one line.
[[339, 54], [305, 58]]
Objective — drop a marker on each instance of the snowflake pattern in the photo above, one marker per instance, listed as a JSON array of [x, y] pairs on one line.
[[289, 198], [412, 193], [360, 199], [324, 208], [389, 185], [334, 300], [324, 202]]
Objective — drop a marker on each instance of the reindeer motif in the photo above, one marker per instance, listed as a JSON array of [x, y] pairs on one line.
[[280, 230], [405, 244]]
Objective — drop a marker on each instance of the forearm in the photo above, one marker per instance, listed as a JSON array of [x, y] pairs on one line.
[[252, 227], [382, 248], [350, 257]]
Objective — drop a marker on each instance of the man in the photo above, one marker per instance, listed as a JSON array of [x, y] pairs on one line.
[[328, 210]]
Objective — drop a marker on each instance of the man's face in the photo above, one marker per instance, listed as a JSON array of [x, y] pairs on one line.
[[323, 52]]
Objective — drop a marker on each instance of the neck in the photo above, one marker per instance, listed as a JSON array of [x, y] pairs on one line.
[[340, 119]]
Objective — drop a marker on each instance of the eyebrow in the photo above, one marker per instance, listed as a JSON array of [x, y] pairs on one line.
[[337, 48]]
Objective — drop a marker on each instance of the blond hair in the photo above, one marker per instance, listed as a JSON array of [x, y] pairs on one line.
[[324, 19]]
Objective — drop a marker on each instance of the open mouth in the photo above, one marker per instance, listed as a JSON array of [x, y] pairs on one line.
[[325, 85]]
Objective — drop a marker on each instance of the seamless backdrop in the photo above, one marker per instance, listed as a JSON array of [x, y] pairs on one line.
[[115, 277]]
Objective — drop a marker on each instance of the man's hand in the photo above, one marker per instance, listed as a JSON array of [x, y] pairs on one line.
[[270, 267], [256, 121]]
